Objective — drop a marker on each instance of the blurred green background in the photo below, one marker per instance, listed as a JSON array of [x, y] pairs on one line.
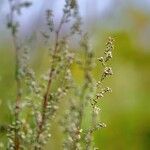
[[127, 110]]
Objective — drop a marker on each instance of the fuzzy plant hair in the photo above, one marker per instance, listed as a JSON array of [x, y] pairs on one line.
[[37, 100]]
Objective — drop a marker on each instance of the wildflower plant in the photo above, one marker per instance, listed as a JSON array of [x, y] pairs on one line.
[[37, 100]]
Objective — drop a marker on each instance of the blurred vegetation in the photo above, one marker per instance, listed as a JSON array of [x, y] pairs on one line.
[[126, 111]]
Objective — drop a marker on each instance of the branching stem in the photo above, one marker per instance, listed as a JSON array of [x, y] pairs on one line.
[[52, 70], [18, 79]]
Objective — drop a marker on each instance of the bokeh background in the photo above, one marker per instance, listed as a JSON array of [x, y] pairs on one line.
[[127, 110]]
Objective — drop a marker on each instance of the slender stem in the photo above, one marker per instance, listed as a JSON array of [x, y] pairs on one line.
[[90, 132], [84, 88], [18, 99], [18, 79], [82, 104], [82, 99], [45, 97]]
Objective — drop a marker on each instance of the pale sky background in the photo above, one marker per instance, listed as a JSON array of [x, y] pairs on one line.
[[39, 7], [111, 14], [96, 9], [31, 17]]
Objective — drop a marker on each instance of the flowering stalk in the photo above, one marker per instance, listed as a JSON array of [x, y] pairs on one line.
[[55, 52], [101, 91], [13, 26], [45, 98]]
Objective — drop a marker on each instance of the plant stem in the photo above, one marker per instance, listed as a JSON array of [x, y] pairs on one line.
[[18, 99], [18, 79], [45, 97]]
